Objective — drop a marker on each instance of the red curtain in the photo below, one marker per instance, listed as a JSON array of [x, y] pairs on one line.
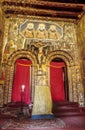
[[57, 81], [21, 77]]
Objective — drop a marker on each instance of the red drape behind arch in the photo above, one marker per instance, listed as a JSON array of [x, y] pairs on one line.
[[57, 81], [21, 77]]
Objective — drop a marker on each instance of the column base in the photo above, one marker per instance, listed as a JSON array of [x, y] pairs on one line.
[[44, 116]]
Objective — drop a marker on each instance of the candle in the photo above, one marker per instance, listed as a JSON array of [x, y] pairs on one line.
[[23, 87]]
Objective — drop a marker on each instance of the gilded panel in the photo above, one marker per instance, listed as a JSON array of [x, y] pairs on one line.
[[25, 33], [42, 38]]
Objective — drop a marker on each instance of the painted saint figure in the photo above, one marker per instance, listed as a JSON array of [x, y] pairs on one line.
[[41, 31], [53, 33], [29, 31]]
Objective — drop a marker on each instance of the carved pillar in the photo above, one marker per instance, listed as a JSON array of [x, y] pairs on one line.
[[74, 84], [80, 87], [7, 81]]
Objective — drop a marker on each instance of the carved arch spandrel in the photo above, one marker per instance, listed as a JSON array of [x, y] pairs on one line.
[[68, 59], [10, 72], [21, 54], [70, 64]]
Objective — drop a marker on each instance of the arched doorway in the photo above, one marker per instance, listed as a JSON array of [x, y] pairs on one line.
[[70, 71], [21, 90], [59, 80], [10, 68]]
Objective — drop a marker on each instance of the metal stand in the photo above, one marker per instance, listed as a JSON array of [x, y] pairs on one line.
[[22, 101]]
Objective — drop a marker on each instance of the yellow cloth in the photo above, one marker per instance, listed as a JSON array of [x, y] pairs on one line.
[[42, 100]]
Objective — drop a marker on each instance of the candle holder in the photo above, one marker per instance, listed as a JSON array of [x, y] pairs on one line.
[[22, 98]]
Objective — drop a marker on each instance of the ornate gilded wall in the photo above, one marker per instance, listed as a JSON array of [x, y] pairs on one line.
[[81, 44], [1, 45], [41, 41]]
